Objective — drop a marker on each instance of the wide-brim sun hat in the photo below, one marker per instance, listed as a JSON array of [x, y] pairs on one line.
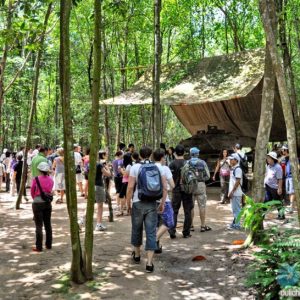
[[273, 155], [44, 167]]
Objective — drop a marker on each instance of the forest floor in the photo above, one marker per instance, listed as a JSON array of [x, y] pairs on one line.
[[28, 275]]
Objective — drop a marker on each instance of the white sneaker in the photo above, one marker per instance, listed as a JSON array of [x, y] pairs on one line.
[[100, 227]]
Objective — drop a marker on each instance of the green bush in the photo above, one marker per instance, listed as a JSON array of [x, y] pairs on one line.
[[276, 265]]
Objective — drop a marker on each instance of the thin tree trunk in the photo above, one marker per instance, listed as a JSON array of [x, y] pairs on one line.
[[89, 237], [157, 71], [264, 129], [33, 108], [77, 267], [287, 63], [283, 91], [4, 56]]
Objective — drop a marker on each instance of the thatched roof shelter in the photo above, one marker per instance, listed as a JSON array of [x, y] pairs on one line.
[[224, 91]]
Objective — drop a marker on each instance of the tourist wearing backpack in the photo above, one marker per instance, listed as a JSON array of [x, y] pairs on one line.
[[166, 219], [198, 169], [146, 185], [180, 196], [243, 158], [235, 193]]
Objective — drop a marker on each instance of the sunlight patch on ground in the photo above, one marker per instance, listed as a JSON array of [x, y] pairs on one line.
[[153, 278]]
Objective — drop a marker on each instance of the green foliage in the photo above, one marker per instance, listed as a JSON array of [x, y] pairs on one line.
[[276, 264], [253, 213]]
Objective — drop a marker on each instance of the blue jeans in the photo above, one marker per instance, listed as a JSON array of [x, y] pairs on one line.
[[144, 213], [236, 208]]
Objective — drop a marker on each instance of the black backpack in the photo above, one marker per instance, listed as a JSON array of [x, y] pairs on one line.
[[244, 185], [244, 163]]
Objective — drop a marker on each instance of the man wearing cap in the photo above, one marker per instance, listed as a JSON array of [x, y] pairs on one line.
[[235, 192], [289, 186], [202, 173], [273, 180]]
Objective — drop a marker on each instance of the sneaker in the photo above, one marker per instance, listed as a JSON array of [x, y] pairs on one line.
[[36, 249], [136, 259], [149, 269], [173, 236], [192, 228], [281, 217], [100, 227], [185, 236], [158, 249]]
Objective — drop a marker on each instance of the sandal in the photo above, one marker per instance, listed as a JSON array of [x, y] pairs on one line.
[[205, 228], [59, 201]]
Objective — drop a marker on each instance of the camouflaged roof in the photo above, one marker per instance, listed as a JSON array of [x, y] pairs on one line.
[[211, 79]]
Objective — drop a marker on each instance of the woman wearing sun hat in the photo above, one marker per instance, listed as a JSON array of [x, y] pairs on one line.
[[273, 180], [42, 209]]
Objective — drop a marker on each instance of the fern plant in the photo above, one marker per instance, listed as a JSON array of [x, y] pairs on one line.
[[252, 216], [276, 266]]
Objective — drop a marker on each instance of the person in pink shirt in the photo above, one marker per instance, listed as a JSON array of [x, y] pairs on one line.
[[127, 163], [42, 209]]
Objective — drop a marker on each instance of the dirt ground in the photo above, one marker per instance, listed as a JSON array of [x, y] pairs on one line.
[[28, 275]]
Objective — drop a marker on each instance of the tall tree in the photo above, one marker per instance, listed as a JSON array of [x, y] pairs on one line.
[[4, 54], [157, 71], [33, 106], [266, 14], [94, 141], [77, 267]]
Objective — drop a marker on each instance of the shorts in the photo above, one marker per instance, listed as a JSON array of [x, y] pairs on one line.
[[289, 186], [86, 176], [200, 195], [118, 184], [168, 215], [79, 178], [123, 190], [100, 196]]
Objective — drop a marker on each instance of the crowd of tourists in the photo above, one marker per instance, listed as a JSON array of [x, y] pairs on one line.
[[150, 186]]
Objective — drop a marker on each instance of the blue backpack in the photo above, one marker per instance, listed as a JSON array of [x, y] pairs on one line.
[[149, 182]]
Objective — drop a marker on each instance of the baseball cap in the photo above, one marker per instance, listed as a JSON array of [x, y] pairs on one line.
[[194, 151], [234, 156]]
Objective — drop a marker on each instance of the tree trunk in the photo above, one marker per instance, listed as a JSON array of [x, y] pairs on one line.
[[33, 107], [283, 91], [4, 57], [77, 268], [264, 129], [89, 237], [157, 71], [287, 63]]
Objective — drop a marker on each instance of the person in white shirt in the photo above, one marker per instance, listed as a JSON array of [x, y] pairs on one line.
[[167, 217], [78, 168], [235, 192], [144, 212]]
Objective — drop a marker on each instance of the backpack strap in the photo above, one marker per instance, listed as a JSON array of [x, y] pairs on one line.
[[38, 184]]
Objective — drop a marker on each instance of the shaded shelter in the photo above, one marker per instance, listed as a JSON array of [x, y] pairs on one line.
[[223, 91]]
